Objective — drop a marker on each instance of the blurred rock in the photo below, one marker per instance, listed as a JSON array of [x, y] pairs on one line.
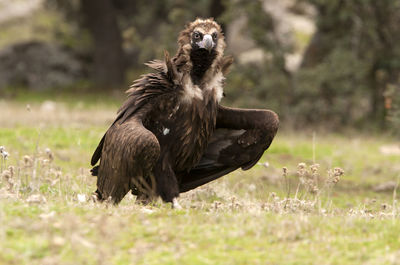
[[17, 9], [290, 19], [387, 186], [38, 66]]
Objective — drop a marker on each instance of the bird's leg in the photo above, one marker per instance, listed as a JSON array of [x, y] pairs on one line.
[[175, 204], [166, 182]]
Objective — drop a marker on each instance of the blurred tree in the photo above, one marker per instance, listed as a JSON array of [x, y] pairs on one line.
[[127, 33], [347, 72], [353, 57], [217, 9], [101, 19], [350, 62]]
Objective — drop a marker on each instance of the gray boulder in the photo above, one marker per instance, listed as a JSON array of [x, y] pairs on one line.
[[38, 66]]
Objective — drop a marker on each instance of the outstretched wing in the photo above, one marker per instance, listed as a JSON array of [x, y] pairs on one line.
[[142, 92], [239, 141]]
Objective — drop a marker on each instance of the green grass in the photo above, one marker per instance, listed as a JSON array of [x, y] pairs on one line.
[[67, 96], [247, 217]]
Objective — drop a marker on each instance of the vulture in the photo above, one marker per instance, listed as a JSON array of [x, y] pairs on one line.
[[171, 134]]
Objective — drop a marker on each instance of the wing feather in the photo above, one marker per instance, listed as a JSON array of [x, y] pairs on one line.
[[239, 141], [143, 91]]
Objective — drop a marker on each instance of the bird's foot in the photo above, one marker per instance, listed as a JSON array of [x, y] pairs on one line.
[[96, 196], [175, 204]]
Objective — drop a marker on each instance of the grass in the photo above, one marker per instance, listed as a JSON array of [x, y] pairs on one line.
[[247, 217]]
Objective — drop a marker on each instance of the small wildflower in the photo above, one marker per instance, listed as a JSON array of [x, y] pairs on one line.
[[49, 154], [27, 161], [217, 204], [5, 154], [303, 181], [314, 189], [338, 171], [334, 175], [81, 197], [6, 174], [301, 169], [28, 107], [314, 168], [12, 170], [301, 166], [285, 171]]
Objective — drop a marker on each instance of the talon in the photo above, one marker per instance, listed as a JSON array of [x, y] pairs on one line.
[[176, 205]]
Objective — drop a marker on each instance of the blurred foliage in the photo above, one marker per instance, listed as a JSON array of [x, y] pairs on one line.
[[392, 104], [155, 24], [355, 59], [143, 24], [350, 67], [347, 68], [68, 31], [266, 84]]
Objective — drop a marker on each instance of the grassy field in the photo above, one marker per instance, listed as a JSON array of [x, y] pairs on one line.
[[286, 210]]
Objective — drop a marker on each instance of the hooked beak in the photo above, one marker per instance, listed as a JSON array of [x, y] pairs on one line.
[[207, 43]]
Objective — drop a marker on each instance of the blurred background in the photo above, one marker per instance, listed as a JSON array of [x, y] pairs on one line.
[[319, 63], [329, 68]]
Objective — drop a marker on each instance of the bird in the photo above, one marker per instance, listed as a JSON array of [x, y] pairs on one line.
[[172, 135]]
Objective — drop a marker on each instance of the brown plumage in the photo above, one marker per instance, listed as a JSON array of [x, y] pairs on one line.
[[171, 134]]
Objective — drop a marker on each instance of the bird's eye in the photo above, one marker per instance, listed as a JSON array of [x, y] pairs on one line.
[[196, 35], [214, 36]]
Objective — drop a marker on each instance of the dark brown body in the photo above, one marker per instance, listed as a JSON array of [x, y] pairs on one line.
[[183, 130], [172, 135]]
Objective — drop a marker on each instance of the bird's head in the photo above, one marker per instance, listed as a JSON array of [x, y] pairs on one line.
[[203, 35]]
